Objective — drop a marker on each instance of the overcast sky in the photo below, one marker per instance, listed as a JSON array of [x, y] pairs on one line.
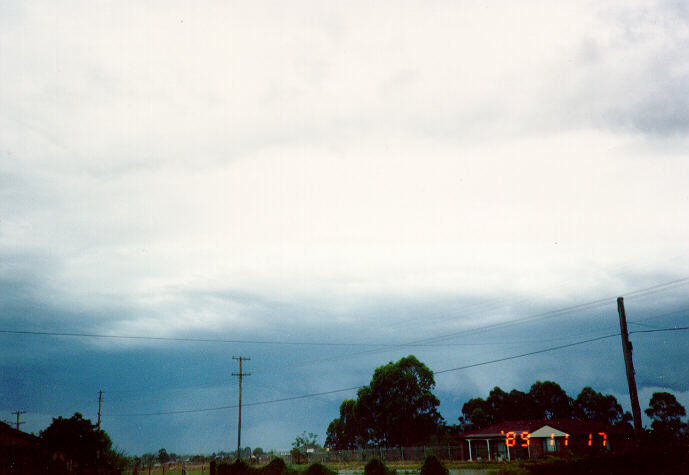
[[340, 173]]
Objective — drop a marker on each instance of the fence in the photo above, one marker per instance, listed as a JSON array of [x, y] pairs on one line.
[[391, 454]]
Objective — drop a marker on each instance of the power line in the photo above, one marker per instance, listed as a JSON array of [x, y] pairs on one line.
[[234, 406], [381, 346], [657, 330], [459, 368], [504, 324], [304, 396], [545, 350]]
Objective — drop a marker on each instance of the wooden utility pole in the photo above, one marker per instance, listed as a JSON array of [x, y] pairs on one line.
[[100, 398], [629, 365], [239, 423], [18, 413]]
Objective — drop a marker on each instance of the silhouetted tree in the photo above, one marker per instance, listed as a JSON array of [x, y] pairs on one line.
[[595, 406], [550, 400], [163, 456], [498, 407], [344, 432], [396, 409], [666, 417], [88, 446]]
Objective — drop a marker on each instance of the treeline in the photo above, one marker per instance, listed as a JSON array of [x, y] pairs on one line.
[[399, 409], [545, 400]]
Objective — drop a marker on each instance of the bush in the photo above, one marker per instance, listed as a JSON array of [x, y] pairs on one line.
[[277, 466], [238, 467], [433, 466], [377, 467], [319, 469]]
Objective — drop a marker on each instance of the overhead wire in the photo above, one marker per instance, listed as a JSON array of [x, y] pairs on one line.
[[335, 391]]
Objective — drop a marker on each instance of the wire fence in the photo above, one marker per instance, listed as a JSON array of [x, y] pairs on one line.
[[390, 454]]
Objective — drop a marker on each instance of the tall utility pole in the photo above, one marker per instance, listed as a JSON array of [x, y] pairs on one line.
[[629, 365], [239, 423], [100, 398], [18, 413]]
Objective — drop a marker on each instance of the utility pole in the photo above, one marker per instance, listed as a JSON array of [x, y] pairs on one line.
[[18, 413], [629, 365], [100, 398], [239, 423]]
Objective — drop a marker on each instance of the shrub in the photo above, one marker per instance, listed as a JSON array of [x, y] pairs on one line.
[[377, 467], [319, 469], [238, 467], [277, 466], [433, 466]]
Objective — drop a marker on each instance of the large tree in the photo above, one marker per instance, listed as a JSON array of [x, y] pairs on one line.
[[595, 406], [550, 400], [500, 406], [344, 431], [666, 416], [397, 408], [88, 446], [545, 400]]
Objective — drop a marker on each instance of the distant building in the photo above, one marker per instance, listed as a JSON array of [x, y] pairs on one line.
[[528, 439]]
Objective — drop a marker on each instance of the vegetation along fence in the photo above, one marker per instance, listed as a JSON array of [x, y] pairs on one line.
[[391, 454]]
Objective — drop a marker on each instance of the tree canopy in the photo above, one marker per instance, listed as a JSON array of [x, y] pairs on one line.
[[545, 400], [397, 408], [666, 416], [88, 446]]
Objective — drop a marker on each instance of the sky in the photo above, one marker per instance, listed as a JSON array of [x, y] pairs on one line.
[[324, 187]]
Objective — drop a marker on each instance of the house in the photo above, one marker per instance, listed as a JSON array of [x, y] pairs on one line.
[[530, 439], [25, 453]]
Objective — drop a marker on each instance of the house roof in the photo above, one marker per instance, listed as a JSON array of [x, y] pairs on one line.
[[569, 426], [10, 436]]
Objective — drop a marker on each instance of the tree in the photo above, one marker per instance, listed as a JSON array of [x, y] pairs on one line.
[[305, 441], [595, 406], [148, 460], [88, 446], [343, 432], [396, 409], [498, 407], [666, 416], [551, 400], [163, 456]]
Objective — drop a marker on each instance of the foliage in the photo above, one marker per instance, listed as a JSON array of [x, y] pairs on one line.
[[319, 469], [298, 456], [163, 456], [595, 406], [238, 467], [666, 417], [88, 446], [545, 400], [498, 407], [550, 400], [343, 432], [300, 446], [376, 467], [396, 409], [433, 466], [147, 460], [305, 441], [276, 466]]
